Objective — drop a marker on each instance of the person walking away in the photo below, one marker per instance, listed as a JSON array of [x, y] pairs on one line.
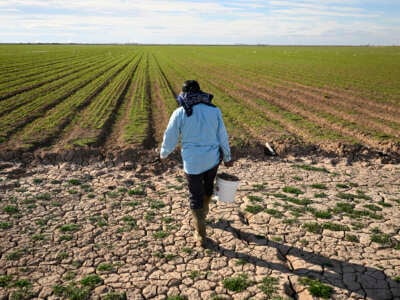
[[204, 144]]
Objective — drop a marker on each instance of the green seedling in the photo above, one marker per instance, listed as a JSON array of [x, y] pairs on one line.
[[255, 198], [137, 192], [5, 280], [160, 234], [74, 181], [319, 186], [323, 214], [241, 262], [352, 238], [317, 288], [236, 284], [37, 181], [105, 267], [273, 212], [320, 195], [43, 196], [292, 190], [156, 204], [194, 274], [69, 227], [69, 275], [5, 225], [66, 237], [11, 209], [268, 286], [254, 209], [91, 280], [311, 168], [381, 238], [115, 296], [342, 186], [187, 250]]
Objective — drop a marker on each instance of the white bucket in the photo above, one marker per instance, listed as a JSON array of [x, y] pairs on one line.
[[225, 190]]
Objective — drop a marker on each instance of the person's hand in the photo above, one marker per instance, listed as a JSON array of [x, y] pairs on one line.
[[228, 164]]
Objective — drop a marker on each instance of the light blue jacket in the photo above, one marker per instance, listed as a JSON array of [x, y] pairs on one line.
[[202, 135]]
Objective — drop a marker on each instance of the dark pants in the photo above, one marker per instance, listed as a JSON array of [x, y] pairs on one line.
[[201, 185]]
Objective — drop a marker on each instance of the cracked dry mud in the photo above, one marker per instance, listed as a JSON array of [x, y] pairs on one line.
[[294, 218]]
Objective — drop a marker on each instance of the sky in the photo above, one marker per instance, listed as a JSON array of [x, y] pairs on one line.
[[273, 22]]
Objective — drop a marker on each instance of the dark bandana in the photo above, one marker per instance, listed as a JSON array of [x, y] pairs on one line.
[[188, 100]]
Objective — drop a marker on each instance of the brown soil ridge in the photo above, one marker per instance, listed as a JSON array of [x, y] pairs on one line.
[[343, 96], [361, 106], [160, 115]]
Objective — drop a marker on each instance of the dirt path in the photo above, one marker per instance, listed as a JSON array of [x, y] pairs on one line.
[[102, 229]]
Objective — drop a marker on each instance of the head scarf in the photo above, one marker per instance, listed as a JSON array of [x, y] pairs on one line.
[[188, 100]]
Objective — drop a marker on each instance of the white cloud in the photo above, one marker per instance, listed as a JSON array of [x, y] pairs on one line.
[[175, 21]]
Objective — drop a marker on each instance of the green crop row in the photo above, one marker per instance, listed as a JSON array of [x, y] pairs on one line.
[[43, 91], [50, 125], [91, 122], [40, 78], [136, 127], [22, 60], [36, 108], [28, 65]]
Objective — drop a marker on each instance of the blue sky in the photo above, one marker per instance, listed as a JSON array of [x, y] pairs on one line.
[[289, 22]]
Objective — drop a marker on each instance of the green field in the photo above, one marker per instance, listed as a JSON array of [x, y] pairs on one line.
[[61, 97]]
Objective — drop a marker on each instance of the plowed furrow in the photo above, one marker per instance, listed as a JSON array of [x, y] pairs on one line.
[[150, 140], [114, 140], [308, 110], [375, 108], [311, 113], [159, 107], [315, 104], [342, 101], [106, 130]]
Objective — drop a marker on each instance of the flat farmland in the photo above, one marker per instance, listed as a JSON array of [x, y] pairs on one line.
[[110, 98], [87, 211]]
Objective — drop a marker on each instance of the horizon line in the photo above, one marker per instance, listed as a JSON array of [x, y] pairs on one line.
[[202, 44]]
